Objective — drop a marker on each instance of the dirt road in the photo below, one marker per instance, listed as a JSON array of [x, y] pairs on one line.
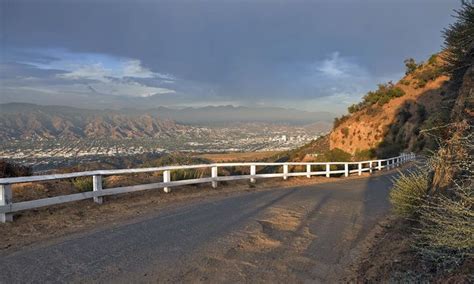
[[300, 234]]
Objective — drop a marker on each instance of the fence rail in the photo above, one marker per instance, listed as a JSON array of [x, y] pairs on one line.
[[8, 207]]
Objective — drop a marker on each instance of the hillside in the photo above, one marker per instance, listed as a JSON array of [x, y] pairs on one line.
[[391, 118], [409, 115]]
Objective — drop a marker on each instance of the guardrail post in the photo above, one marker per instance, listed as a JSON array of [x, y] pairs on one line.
[[214, 176], [5, 199], [328, 170], [253, 172], [97, 186], [359, 168], [285, 171], [166, 178], [380, 165], [346, 169], [308, 170], [370, 167]]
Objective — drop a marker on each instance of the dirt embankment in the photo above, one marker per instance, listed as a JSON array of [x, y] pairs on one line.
[[387, 256]]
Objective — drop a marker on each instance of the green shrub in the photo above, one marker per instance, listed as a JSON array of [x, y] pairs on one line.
[[433, 59], [354, 108], [337, 155], [363, 155], [404, 82], [83, 183], [382, 95], [410, 65], [427, 74], [408, 192], [383, 100], [339, 120]]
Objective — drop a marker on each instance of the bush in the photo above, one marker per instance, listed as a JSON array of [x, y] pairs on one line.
[[442, 210], [363, 155], [9, 169], [405, 82], [408, 192], [410, 65], [337, 155], [433, 59], [339, 120], [83, 183], [429, 73], [354, 108], [382, 95], [446, 233]]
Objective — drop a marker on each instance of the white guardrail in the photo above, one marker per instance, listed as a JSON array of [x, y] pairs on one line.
[[8, 207]]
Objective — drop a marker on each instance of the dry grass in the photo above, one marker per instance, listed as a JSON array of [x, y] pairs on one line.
[[446, 232], [441, 208], [409, 191]]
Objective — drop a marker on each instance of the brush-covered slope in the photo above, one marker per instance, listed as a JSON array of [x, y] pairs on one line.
[[390, 119]]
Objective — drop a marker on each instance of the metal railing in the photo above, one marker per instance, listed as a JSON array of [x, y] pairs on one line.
[[8, 207]]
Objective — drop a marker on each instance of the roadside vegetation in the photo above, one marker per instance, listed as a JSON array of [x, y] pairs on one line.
[[437, 199], [437, 202]]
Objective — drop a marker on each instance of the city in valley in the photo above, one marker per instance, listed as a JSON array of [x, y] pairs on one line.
[[46, 154]]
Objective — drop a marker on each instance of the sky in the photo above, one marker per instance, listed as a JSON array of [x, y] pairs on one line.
[[309, 55]]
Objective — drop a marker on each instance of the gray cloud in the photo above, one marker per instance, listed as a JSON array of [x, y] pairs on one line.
[[243, 52]]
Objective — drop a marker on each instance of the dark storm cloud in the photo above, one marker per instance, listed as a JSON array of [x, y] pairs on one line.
[[240, 51]]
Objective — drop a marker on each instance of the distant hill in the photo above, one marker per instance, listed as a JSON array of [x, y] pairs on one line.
[[25, 121]]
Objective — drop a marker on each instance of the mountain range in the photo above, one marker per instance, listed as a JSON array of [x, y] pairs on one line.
[[26, 121]]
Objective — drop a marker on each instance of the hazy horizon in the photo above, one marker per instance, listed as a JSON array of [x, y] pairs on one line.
[[318, 56]]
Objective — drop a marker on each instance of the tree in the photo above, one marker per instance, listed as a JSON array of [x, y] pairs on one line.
[[411, 66], [459, 42]]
